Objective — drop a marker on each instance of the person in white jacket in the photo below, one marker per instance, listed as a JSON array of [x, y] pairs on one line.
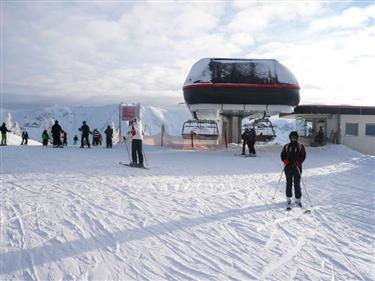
[[136, 133]]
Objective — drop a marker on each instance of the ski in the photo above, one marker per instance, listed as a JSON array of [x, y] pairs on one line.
[[305, 210], [128, 165], [245, 155]]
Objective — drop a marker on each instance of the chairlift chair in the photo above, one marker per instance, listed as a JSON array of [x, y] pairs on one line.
[[264, 130], [201, 129]]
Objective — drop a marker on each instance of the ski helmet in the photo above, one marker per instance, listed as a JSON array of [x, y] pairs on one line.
[[293, 134]]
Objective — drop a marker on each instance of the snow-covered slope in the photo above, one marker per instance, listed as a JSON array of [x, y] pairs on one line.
[[12, 139], [75, 214]]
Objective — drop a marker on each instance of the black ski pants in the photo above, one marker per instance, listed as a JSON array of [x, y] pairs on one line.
[[137, 151], [244, 143], [251, 145], [57, 140], [83, 138], [293, 177], [108, 141]]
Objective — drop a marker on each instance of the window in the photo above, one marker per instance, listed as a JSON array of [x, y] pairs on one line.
[[351, 129], [370, 129]]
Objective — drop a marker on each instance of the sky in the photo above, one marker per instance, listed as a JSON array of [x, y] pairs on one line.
[[105, 52]]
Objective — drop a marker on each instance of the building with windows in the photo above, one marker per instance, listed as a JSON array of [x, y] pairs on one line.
[[353, 126]]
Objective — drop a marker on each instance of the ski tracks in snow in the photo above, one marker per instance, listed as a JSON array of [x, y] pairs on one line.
[[184, 223]]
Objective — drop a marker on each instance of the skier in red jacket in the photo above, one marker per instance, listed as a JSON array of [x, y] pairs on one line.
[[293, 155]]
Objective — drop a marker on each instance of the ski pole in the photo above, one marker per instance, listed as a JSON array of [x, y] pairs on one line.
[[127, 149], [144, 156], [304, 186], [281, 175]]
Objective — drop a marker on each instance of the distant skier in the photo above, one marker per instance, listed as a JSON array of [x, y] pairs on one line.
[[248, 138], [85, 129], [56, 134], [95, 137], [108, 136], [75, 140], [4, 131], [100, 138], [319, 139], [136, 133], [25, 138], [293, 155], [65, 139], [252, 139], [245, 141], [45, 138]]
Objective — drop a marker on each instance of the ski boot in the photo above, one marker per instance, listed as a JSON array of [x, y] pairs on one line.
[[298, 203], [288, 204]]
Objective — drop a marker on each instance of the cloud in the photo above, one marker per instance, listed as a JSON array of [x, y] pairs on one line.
[[94, 53], [338, 62]]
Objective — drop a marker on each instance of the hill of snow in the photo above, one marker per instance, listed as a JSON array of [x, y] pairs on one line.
[[13, 139], [75, 214]]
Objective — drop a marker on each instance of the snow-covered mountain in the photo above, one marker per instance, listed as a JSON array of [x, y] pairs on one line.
[[70, 118]]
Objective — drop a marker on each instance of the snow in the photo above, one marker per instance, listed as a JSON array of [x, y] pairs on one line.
[[75, 214], [12, 139], [264, 69], [200, 72]]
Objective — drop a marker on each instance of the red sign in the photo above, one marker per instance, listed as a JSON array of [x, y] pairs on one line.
[[128, 112]]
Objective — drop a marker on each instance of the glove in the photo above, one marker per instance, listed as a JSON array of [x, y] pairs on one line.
[[286, 162]]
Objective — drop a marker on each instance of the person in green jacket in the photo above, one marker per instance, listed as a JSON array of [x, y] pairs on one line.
[[4, 131], [45, 138]]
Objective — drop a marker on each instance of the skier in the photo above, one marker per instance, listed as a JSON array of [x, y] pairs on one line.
[[25, 137], [56, 134], [4, 131], [75, 140], [136, 133], [95, 137], [100, 139], [85, 129], [293, 155], [246, 138], [319, 139], [45, 138], [65, 139], [108, 136], [251, 142]]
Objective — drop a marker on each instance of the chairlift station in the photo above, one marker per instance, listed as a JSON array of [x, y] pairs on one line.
[[231, 89]]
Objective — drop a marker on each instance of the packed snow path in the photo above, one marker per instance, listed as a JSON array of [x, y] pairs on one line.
[[75, 214]]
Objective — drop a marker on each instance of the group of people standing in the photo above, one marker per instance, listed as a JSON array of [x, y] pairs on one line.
[[60, 137], [97, 137], [4, 130]]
